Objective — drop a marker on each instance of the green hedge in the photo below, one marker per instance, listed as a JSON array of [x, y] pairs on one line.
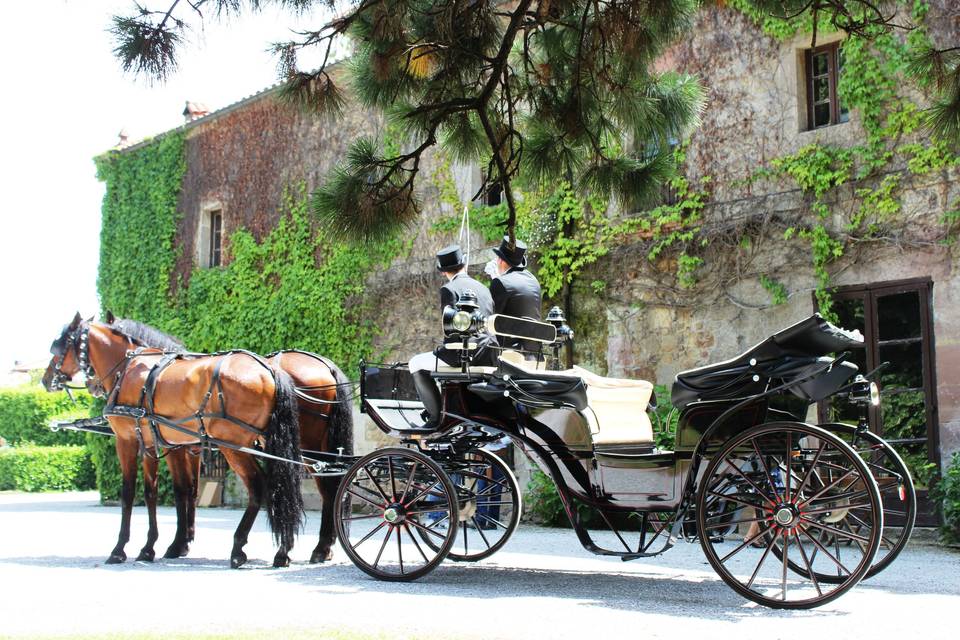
[[25, 415], [36, 468]]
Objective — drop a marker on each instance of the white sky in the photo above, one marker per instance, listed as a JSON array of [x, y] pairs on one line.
[[63, 100]]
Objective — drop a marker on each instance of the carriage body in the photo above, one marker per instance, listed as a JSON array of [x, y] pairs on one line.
[[745, 412]]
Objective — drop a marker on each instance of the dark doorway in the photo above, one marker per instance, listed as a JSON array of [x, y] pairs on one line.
[[895, 319]]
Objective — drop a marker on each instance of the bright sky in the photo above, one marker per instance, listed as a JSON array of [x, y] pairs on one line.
[[63, 100]]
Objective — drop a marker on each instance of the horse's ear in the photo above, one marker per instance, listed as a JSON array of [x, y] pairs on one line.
[[76, 321], [109, 318]]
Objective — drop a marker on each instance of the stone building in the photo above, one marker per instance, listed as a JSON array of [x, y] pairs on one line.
[[767, 99]]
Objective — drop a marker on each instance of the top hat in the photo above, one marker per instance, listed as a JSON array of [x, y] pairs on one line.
[[449, 258], [515, 257]]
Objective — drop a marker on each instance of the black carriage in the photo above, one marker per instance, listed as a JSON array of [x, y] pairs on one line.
[[789, 514]]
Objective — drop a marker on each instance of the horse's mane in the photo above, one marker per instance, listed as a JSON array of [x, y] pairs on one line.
[[147, 336]]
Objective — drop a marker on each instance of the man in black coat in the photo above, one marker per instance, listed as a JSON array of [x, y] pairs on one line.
[[516, 292], [451, 263]]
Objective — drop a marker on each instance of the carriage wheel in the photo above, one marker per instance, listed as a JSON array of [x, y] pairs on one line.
[[791, 480], [489, 505], [385, 501], [897, 494]]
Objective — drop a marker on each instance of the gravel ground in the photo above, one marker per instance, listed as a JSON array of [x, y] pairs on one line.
[[542, 585]]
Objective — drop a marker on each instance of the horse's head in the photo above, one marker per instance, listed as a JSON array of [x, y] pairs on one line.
[[70, 355]]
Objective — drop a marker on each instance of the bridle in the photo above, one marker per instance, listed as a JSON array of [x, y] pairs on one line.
[[79, 341], [76, 340]]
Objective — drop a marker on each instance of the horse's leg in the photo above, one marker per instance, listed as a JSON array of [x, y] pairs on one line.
[[193, 467], [149, 464], [179, 467], [249, 473], [127, 454], [328, 490]]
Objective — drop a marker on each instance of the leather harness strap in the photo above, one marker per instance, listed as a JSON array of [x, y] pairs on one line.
[[145, 409]]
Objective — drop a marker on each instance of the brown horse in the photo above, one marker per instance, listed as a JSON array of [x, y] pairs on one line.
[[326, 425], [235, 398]]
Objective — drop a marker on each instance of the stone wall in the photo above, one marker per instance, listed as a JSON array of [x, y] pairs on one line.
[[642, 325]]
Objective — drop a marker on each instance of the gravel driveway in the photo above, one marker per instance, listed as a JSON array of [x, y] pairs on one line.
[[542, 585]]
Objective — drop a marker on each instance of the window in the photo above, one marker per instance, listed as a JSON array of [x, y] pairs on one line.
[[895, 319], [824, 66], [216, 235], [208, 242]]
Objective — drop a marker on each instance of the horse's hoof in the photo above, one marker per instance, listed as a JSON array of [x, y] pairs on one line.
[[175, 551], [238, 560], [146, 556], [281, 561], [116, 558], [321, 555]]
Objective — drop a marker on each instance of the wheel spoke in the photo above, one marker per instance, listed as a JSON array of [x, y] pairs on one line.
[[493, 520], [413, 539], [783, 583], [422, 493], [386, 539], [406, 488], [393, 485], [766, 469], [745, 503], [399, 549], [480, 531], [823, 549], [743, 545], [766, 552], [717, 525], [369, 535], [750, 482], [786, 481], [826, 488], [352, 492], [375, 515], [834, 530], [427, 529], [837, 508], [808, 563], [813, 464], [376, 484]]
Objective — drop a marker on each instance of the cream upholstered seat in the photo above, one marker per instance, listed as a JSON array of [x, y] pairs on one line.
[[620, 408], [617, 410]]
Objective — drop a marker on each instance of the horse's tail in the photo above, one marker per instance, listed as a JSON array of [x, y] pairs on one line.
[[284, 498], [341, 413]]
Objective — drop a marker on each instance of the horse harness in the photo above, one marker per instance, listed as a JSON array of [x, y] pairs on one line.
[[144, 411]]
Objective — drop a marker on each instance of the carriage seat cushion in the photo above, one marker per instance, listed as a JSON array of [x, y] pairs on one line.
[[620, 408]]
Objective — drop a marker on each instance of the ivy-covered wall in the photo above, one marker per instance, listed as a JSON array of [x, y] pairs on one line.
[[765, 213]]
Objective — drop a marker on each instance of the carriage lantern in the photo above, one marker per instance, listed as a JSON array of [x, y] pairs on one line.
[[564, 332]]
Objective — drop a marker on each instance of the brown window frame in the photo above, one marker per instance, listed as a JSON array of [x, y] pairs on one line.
[[216, 238], [837, 114], [927, 513]]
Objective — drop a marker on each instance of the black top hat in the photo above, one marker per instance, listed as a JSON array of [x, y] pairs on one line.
[[449, 258], [515, 257]]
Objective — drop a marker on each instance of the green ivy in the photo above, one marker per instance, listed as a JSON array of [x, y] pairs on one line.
[[777, 291], [872, 83]]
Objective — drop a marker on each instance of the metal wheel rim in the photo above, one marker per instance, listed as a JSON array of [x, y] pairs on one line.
[[483, 528], [787, 512], [382, 501]]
